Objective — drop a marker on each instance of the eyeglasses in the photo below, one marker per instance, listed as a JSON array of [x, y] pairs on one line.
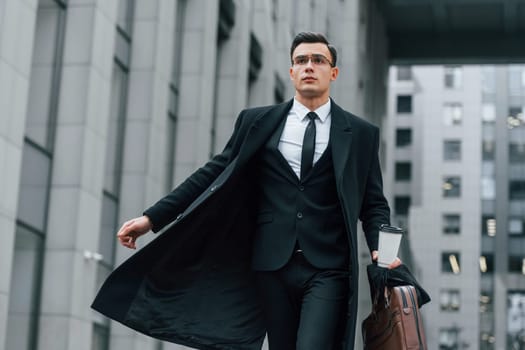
[[317, 60]]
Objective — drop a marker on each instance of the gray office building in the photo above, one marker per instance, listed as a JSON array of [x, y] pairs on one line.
[[106, 105], [456, 173]]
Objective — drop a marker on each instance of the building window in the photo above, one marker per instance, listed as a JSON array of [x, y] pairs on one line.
[[452, 150], [488, 150], [451, 262], [516, 253], [100, 337], [403, 171], [488, 226], [514, 80], [451, 224], [488, 188], [22, 320], [449, 338], [486, 263], [453, 77], [488, 113], [516, 264], [403, 137], [515, 118], [452, 113], [515, 320], [451, 186], [404, 104], [402, 204], [449, 299], [517, 189], [226, 19], [256, 54], [516, 226], [279, 90], [404, 73], [517, 152]]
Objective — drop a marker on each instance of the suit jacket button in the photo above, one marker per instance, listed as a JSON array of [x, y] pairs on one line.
[[299, 215], [301, 188]]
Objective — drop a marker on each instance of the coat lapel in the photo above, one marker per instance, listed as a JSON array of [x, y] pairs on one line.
[[341, 139], [261, 129]]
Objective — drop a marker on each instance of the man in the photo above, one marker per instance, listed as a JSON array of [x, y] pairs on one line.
[[269, 224]]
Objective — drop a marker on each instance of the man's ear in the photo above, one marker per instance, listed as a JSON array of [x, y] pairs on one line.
[[334, 73]]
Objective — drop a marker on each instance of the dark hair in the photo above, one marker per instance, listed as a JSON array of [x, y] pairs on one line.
[[311, 37]]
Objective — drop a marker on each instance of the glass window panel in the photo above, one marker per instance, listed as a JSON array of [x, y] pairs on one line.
[[453, 77], [517, 152], [517, 189], [43, 85], [34, 187], [488, 112], [515, 319], [488, 188], [171, 144], [486, 262], [516, 264], [404, 73], [404, 104], [108, 229], [451, 223], [115, 130], [452, 113], [516, 226], [449, 338], [403, 137], [488, 225], [449, 299], [451, 262], [488, 169], [122, 50], [24, 290], [452, 150], [403, 171], [100, 340], [402, 205], [514, 76], [178, 46], [125, 15], [451, 186], [488, 150], [488, 79]]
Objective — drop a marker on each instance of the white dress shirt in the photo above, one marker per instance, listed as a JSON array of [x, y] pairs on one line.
[[291, 141]]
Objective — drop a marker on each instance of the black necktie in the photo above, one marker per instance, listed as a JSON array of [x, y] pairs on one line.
[[307, 156]]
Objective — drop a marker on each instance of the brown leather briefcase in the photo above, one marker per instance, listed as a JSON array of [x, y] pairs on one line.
[[395, 322]]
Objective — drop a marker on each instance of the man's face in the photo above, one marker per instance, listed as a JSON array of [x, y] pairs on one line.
[[311, 71]]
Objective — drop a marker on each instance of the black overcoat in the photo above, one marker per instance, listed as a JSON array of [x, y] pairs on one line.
[[193, 284]]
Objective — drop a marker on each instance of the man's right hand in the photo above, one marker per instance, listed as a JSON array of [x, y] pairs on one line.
[[133, 229]]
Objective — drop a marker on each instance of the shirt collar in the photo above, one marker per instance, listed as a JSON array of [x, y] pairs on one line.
[[301, 111]]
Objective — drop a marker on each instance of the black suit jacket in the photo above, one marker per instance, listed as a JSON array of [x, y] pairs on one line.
[[193, 284]]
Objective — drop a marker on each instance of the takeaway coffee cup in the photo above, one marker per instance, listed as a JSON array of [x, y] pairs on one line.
[[389, 240]]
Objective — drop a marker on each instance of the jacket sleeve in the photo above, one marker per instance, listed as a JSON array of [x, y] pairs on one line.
[[167, 208], [374, 210]]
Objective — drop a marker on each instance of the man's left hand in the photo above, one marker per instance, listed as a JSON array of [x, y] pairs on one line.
[[393, 265]]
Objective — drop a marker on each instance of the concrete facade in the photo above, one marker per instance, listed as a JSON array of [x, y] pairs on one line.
[[106, 105]]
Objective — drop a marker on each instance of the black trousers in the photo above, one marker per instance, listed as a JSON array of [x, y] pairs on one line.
[[304, 307]]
